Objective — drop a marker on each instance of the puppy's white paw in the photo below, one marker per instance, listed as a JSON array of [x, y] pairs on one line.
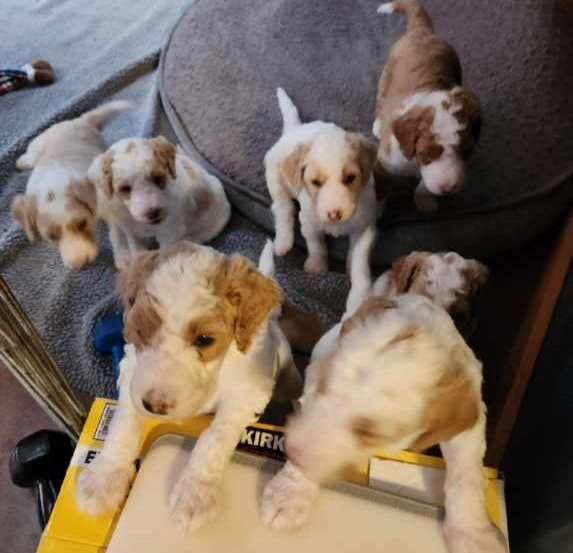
[[102, 486], [486, 540], [283, 244], [22, 163], [386, 8], [315, 265], [377, 128], [286, 503], [193, 504]]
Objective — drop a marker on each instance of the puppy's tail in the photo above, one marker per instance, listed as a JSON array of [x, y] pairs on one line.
[[267, 260], [98, 116], [360, 275], [417, 16], [289, 111]]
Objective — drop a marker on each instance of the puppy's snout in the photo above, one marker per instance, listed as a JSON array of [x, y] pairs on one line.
[[156, 404], [334, 215], [154, 215]]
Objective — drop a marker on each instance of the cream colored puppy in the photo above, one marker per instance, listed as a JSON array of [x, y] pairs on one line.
[[203, 337], [60, 204], [395, 374], [147, 189], [329, 171]]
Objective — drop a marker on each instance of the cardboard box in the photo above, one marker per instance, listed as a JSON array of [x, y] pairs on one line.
[[71, 531]]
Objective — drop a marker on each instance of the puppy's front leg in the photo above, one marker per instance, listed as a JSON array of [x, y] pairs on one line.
[[195, 499], [283, 211], [104, 483], [287, 499], [467, 528], [134, 244], [317, 260], [119, 246]]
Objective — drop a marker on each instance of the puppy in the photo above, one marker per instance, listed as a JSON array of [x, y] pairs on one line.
[[427, 122], [329, 171], [202, 337], [147, 189], [395, 374], [60, 204]]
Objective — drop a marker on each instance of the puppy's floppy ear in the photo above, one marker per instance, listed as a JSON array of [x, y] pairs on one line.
[[84, 192], [405, 270], [366, 150], [100, 172], [25, 211], [164, 153], [476, 274], [252, 295], [292, 169], [469, 111], [405, 129], [133, 277], [408, 127]]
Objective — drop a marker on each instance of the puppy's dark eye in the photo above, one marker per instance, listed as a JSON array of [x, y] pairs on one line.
[[82, 224], [316, 183], [125, 189], [54, 235], [202, 341], [158, 180], [349, 179]]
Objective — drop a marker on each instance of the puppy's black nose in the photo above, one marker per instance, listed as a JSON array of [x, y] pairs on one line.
[[156, 405], [154, 215], [147, 406]]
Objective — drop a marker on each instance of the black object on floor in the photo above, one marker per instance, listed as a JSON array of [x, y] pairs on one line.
[[40, 461]]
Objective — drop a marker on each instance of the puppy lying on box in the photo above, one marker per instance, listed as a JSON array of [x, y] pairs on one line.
[[203, 336], [395, 374]]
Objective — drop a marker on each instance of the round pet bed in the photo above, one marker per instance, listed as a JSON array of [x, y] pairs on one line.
[[225, 58]]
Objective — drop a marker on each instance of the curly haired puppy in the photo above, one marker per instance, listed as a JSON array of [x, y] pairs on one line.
[[395, 374], [203, 337]]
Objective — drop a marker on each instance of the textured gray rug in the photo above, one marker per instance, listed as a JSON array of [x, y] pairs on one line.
[[99, 50]]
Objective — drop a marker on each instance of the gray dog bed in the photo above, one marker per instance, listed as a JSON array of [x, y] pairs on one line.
[[225, 59]]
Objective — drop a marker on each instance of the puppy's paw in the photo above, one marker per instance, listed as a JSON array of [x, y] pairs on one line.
[[377, 128], [315, 265], [485, 540], [386, 8], [102, 486], [193, 504], [23, 163], [286, 503], [283, 244]]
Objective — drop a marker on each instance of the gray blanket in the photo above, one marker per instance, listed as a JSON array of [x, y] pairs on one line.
[[99, 50]]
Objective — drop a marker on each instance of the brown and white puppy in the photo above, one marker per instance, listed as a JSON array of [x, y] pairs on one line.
[[147, 189], [427, 122], [60, 204], [395, 374], [202, 336], [329, 172], [447, 278]]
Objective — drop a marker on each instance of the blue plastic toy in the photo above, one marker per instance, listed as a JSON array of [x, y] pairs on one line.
[[108, 339]]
